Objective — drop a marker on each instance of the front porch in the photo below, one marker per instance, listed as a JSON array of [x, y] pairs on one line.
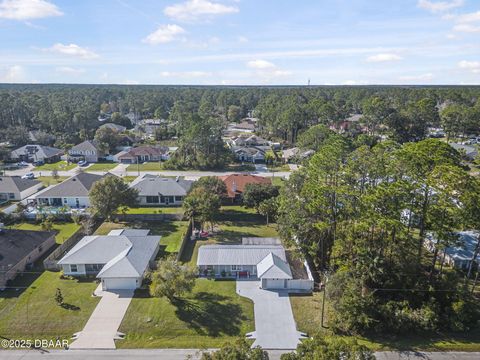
[[228, 271]]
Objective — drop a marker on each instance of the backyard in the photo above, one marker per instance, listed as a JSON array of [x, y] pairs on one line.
[[50, 180], [209, 316], [59, 166], [65, 229], [155, 210]]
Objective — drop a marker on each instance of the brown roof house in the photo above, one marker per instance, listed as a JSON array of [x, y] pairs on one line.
[[19, 249], [236, 184]]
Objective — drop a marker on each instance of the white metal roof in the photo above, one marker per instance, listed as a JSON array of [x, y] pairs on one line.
[[272, 267], [237, 254]]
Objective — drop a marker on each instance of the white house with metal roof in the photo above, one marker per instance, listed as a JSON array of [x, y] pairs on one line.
[[120, 259], [267, 263]]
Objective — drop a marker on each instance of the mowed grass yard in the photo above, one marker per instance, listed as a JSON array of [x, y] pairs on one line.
[[149, 166], [49, 180], [155, 210], [101, 167], [60, 166], [28, 310], [65, 229], [212, 314]]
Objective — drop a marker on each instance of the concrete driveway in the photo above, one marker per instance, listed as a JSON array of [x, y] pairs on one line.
[[274, 323], [101, 329]]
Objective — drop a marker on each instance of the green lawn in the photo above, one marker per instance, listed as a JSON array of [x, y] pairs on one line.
[[307, 313], [65, 229], [49, 180], [155, 210], [149, 166], [281, 167], [30, 311], [208, 317], [277, 180], [101, 167], [60, 166]]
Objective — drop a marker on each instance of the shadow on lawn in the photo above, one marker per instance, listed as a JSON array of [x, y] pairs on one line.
[[70, 307], [227, 215], [210, 314]]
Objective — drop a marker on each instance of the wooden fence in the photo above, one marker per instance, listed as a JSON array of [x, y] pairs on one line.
[[186, 238], [51, 261], [147, 217]]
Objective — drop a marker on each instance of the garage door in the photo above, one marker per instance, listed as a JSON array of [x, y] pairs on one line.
[[275, 284], [119, 283]]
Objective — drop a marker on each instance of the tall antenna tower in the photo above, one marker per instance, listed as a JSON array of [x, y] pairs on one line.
[[308, 82]]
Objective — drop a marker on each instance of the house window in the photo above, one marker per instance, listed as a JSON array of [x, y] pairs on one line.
[[11, 196], [236, 268], [93, 267], [152, 199], [178, 198], [73, 268], [65, 200]]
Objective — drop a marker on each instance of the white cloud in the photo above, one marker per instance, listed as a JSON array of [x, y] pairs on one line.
[[69, 70], [468, 28], [349, 82], [194, 10], [73, 50], [129, 82], [474, 66], [424, 77], [164, 34], [384, 57], [185, 74], [470, 17], [260, 64], [242, 39], [12, 74], [439, 6], [27, 9]]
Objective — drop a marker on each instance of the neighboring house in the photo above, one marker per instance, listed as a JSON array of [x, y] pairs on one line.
[[120, 259], [87, 150], [37, 136], [32, 153], [469, 151], [249, 154], [268, 263], [157, 190], [19, 249], [295, 154], [244, 126], [114, 127], [72, 192], [459, 255], [14, 188], [236, 183], [142, 153], [248, 140]]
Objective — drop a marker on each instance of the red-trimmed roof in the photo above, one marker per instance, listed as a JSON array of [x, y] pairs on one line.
[[236, 182]]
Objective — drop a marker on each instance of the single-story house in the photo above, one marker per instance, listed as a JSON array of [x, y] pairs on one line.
[[460, 254], [87, 150], [249, 154], [157, 190], [120, 259], [32, 153], [15, 188], [236, 183], [267, 263], [248, 140], [114, 127], [142, 153], [19, 249], [295, 154], [72, 192]]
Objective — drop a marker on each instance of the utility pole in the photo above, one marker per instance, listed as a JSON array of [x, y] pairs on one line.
[[323, 301]]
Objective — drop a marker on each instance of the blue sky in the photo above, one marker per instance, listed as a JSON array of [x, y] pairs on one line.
[[244, 42]]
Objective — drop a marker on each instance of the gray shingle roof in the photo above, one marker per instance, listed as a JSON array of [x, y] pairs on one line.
[[16, 244], [76, 186], [87, 145], [113, 126], [13, 184], [123, 256], [40, 152], [153, 185], [237, 254]]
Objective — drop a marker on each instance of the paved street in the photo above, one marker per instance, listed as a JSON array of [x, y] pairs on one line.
[[121, 170], [101, 329], [181, 354], [274, 323]]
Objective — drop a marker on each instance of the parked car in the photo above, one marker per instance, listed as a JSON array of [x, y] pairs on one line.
[[29, 175], [22, 164], [39, 163], [82, 163]]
